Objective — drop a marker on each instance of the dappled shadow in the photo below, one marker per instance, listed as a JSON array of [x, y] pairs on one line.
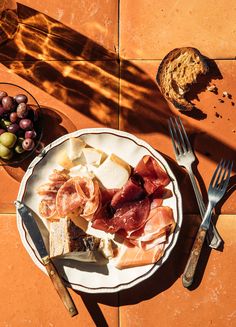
[[87, 77]]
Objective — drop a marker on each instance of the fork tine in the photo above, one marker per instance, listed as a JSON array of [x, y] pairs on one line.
[[176, 137], [220, 177], [221, 183], [180, 134], [226, 181], [215, 173], [172, 137], [185, 135]]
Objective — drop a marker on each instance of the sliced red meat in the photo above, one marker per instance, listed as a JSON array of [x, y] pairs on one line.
[[107, 194], [133, 256], [47, 206], [68, 199], [131, 191], [160, 223], [152, 174], [59, 175], [50, 187], [129, 217]]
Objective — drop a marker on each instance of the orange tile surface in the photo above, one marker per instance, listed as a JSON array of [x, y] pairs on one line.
[[28, 297], [163, 301], [145, 112], [93, 63], [150, 29], [95, 20]]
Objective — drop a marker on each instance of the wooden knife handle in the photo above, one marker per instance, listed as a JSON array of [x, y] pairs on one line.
[[190, 268], [60, 288]]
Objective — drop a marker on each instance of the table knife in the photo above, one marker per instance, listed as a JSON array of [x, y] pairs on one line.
[[34, 232]]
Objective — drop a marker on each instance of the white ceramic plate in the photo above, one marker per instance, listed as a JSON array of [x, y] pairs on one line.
[[89, 277]]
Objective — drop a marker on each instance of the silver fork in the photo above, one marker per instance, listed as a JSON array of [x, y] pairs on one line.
[[217, 188], [185, 158]]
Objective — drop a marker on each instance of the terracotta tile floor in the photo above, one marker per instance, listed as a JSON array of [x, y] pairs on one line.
[[92, 63]]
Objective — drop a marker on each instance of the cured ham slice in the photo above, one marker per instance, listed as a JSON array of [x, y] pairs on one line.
[[47, 206], [133, 256], [159, 225], [129, 217], [93, 202], [78, 193], [68, 199], [152, 174], [131, 191]]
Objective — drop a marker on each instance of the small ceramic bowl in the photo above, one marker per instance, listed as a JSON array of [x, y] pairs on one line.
[[34, 115]]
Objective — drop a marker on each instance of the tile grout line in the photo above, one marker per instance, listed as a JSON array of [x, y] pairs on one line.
[[119, 63], [119, 111]]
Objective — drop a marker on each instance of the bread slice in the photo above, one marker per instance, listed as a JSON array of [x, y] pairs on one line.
[[177, 72], [66, 237]]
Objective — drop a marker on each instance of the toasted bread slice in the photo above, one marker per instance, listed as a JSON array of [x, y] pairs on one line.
[[177, 72]]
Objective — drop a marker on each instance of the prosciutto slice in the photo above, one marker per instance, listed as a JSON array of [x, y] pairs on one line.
[[129, 217], [132, 256], [131, 191], [68, 199], [78, 193], [47, 206], [159, 225], [152, 174]]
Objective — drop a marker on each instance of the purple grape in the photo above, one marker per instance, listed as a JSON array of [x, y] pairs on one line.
[[28, 144], [13, 128], [22, 110], [8, 103], [21, 98], [2, 131], [2, 111], [30, 134], [26, 124], [3, 94], [13, 117]]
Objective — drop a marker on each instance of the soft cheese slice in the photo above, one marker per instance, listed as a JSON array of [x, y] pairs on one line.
[[82, 171], [113, 172], [92, 156], [75, 147]]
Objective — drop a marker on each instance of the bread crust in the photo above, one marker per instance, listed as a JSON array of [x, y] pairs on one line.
[[179, 102]]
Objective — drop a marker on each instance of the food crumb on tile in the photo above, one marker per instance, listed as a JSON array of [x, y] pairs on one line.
[[212, 88], [214, 107], [226, 94], [218, 115], [221, 101], [232, 103], [233, 130]]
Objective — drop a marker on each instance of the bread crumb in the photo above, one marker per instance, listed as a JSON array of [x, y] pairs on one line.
[[226, 94], [218, 115], [212, 88]]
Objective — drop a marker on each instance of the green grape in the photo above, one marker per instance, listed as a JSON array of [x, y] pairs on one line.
[[8, 139], [5, 152]]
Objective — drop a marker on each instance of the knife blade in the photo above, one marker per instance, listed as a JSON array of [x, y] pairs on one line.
[[35, 234]]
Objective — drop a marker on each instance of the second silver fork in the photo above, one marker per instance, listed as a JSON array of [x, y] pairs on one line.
[[185, 158]]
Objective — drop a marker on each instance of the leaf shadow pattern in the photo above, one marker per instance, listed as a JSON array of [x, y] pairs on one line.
[[87, 77], [84, 75]]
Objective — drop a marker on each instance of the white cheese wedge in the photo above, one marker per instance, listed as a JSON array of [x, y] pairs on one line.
[[82, 171], [113, 172], [75, 147], [92, 156]]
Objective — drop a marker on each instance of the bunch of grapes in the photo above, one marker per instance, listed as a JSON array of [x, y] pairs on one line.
[[17, 125]]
